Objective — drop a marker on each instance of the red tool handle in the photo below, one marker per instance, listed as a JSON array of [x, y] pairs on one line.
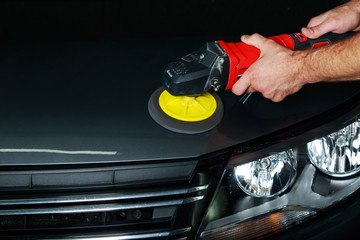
[[241, 55]]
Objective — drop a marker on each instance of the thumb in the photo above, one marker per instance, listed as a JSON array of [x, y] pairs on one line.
[[255, 40], [318, 30]]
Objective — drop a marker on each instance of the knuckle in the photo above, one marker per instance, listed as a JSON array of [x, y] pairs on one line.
[[269, 43], [266, 94], [277, 98], [255, 36], [335, 23], [262, 90], [252, 75], [333, 20]]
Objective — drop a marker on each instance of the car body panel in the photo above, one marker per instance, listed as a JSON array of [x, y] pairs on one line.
[[86, 102]]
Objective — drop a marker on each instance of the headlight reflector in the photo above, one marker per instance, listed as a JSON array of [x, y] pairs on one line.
[[267, 177], [337, 154]]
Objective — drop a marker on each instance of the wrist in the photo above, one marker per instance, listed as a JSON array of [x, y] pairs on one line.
[[302, 68]]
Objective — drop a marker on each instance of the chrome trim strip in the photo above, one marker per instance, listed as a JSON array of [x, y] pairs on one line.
[[160, 234], [99, 197], [97, 208], [163, 234], [192, 199], [180, 231], [198, 188], [121, 237]]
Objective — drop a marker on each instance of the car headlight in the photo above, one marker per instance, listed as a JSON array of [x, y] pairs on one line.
[[337, 154], [268, 176], [267, 191]]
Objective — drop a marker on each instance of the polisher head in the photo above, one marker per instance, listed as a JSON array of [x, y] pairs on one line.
[[186, 114]]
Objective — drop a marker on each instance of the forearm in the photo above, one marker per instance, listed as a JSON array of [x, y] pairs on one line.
[[336, 62]]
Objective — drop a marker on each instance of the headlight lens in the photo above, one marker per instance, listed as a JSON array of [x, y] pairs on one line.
[[267, 177], [337, 154], [260, 197]]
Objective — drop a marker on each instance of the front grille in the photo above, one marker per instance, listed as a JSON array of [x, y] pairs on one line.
[[114, 202], [121, 210], [157, 200]]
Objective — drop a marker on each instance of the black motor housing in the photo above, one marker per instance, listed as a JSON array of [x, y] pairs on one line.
[[197, 72]]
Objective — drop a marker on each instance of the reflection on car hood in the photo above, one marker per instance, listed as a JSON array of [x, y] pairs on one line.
[[86, 101]]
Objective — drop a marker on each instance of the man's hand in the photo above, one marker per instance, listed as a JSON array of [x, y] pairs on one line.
[[274, 74], [280, 72], [341, 19]]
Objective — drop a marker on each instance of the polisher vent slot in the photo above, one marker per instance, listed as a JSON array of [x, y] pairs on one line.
[[178, 68]]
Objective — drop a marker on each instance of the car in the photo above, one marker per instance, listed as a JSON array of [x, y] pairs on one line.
[[81, 157]]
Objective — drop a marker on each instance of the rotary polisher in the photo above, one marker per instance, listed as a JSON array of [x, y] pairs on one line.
[[188, 103]]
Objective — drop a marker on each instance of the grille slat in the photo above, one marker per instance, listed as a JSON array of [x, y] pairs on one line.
[[153, 234], [98, 197], [106, 176], [97, 208], [127, 237]]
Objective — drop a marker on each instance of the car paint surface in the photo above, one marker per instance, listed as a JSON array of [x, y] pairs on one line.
[[86, 102]]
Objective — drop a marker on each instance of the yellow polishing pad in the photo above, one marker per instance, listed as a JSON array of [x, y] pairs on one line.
[[185, 108]]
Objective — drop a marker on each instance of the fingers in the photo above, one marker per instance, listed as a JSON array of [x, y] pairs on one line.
[[315, 31], [241, 86], [317, 20], [255, 40], [318, 26]]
